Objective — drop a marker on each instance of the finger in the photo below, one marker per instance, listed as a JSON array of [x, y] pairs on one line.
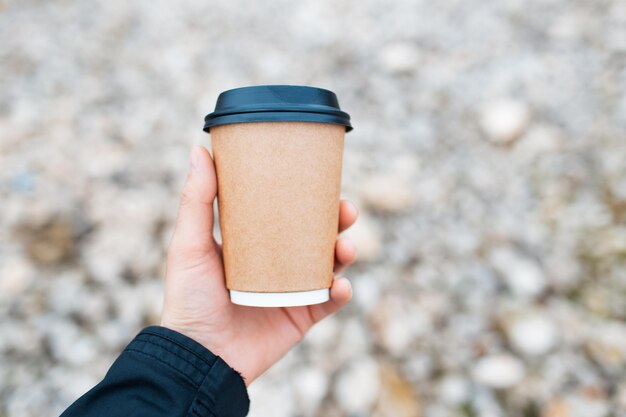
[[347, 215], [345, 253], [340, 295], [194, 227]]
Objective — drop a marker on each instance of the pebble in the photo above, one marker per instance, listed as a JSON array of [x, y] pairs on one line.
[[386, 194], [50, 243], [499, 371], [310, 386], [557, 408], [533, 334], [358, 386], [355, 340], [454, 389], [523, 276], [366, 292], [606, 344], [71, 384], [564, 270], [504, 120], [419, 366], [399, 57], [16, 275], [539, 140], [265, 397], [67, 343], [397, 397], [486, 404], [580, 405], [324, 334]]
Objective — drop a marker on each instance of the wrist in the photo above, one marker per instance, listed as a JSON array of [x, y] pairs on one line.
[[237, 361]]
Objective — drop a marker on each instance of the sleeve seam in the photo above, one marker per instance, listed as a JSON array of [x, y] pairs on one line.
[[198, 400], [175, 354], [210, 363], [193, 384]]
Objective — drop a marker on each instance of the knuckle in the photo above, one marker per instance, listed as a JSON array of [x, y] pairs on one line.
[[186, 196]]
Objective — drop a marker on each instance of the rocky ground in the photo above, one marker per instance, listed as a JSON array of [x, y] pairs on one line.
[[488, 160]]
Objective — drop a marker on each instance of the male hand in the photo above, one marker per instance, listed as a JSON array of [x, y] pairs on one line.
[[197, 303]]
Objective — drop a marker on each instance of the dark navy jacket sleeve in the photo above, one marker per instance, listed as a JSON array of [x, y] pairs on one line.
[[163, 373]]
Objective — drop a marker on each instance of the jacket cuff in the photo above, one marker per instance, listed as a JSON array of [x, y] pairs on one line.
[[220, 390]]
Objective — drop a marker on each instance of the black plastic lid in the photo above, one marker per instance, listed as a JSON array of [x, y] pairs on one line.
[[277, 103]]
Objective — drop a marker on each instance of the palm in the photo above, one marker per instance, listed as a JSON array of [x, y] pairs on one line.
[[206, 314]]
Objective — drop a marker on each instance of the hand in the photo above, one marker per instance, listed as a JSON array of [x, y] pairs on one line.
[[197, 303]]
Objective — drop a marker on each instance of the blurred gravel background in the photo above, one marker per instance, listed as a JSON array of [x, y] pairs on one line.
[[488, 159]]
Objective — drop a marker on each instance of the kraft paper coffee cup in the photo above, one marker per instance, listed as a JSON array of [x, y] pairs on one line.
[[278, 153]]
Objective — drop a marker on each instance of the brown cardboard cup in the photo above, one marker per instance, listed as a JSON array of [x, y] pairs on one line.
[[279, 185], [278, 152]]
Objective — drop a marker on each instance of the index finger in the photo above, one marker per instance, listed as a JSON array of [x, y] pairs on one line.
[[347, 215]]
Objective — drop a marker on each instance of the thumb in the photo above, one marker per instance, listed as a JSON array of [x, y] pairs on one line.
[[193, 236]]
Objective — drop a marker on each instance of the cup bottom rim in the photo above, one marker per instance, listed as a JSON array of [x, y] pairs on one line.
[[279, 299]]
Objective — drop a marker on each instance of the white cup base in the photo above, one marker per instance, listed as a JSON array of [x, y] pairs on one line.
[[279, 299]]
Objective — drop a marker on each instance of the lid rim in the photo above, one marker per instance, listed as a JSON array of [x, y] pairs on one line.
[[292, 116], [310, 108], [266, 103]]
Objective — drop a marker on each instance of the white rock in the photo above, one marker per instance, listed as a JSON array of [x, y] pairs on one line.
[[386, 194], [16, 274], [367, 238], [564, 269], [310, 386], [523, 276], [71, 383], [606, 343], [419, 366], [533, 334], [355, 340], [585, 406], [485, 403], [23, 338], [398, 323], [399, 332], [357, 386], [105, 269], [399, 57], [68, 344], [499, 371], [324, 334], [538, 140], [504, 120], [367, 292], [114, 334], [28, 400], [454, 389], [271, 398]]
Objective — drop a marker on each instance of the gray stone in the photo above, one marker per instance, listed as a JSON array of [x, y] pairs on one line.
[[523, 276], [386, 194], [454, 389], [310, 386], [498, 371], [399, 57], [356, 388]]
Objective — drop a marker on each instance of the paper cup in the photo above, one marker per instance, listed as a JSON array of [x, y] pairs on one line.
[[278, 192]]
